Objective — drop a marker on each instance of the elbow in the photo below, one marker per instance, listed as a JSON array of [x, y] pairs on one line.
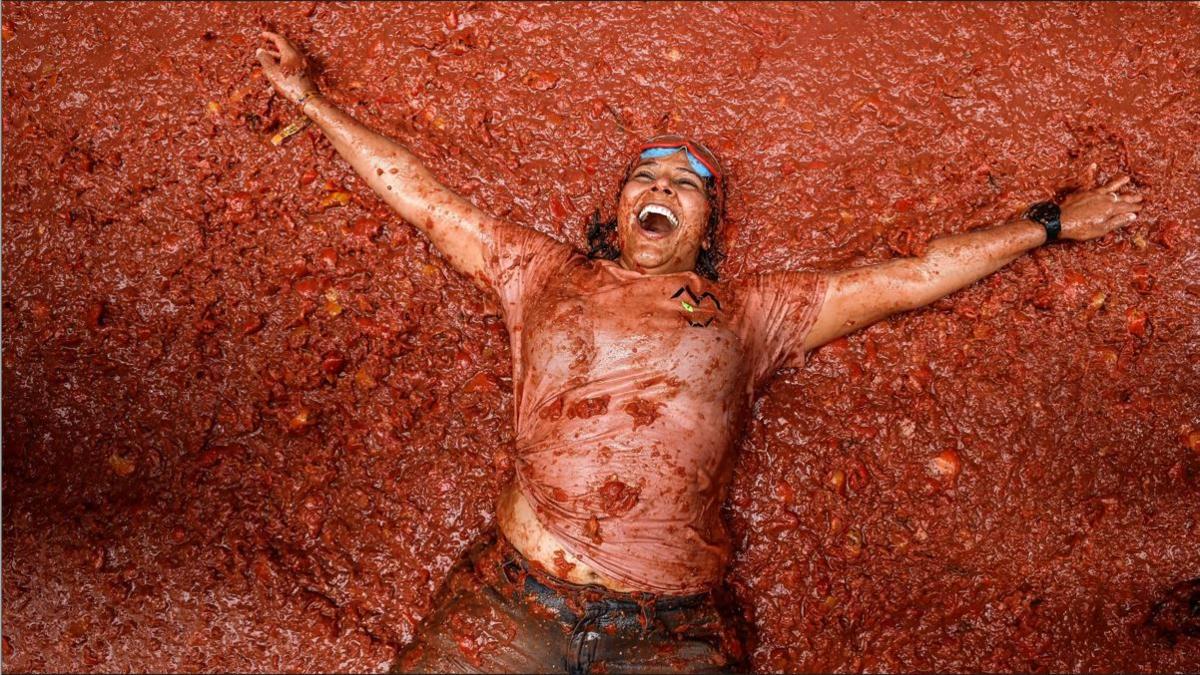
[[921, 272], [915, 284]]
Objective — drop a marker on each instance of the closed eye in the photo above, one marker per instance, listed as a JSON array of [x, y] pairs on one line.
[[687, 177]]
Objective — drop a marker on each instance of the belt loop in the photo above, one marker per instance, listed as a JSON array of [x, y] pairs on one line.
[[584, 641], [647, 614]]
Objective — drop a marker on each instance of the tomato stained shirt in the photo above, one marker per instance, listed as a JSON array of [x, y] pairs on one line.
[[630, 391]]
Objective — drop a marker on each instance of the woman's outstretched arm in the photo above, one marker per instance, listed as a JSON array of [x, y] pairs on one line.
[[457, 228], [859, 297]]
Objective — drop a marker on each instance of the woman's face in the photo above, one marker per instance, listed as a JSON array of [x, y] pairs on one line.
[[662, 216]]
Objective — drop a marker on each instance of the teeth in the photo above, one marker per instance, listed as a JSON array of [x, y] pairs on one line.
[[660, 210]]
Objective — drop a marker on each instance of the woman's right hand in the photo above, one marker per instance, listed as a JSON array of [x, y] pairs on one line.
[[286, 68]]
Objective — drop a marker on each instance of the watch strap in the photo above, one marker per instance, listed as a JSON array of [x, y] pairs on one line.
[[1049, 216]]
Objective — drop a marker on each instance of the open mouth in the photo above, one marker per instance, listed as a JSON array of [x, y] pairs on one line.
[[657, 220]]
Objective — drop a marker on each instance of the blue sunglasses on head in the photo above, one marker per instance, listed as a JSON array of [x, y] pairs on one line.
[[697, 165]]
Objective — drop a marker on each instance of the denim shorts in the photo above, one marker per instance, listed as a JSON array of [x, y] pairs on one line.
[[498, 613]]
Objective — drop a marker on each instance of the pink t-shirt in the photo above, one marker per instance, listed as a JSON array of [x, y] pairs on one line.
[[630, 391]]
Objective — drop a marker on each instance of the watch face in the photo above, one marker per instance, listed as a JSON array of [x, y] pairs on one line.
[[1044, 212]]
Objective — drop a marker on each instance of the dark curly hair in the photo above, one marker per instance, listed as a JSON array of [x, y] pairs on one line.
[[602, 234]]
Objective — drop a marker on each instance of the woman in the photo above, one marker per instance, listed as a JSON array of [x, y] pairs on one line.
[[634, 370]]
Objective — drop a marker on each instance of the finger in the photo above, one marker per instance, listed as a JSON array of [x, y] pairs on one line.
[[281, 43], [291, 60], [1116, 184], [290, 57], [264, 58], [1132, 198], [1122, 219], [268, 52]]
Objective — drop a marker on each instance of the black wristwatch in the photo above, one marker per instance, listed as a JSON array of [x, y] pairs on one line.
[[1049, 216]]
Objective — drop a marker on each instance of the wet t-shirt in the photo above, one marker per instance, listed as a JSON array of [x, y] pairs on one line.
[[630, 391]]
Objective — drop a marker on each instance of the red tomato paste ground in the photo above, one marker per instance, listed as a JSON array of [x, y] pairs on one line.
[[251, 418]]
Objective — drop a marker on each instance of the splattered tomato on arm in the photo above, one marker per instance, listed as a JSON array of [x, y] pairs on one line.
[[465, 235]]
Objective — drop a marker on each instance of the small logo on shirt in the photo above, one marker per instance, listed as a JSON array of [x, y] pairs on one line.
[[698, 310]]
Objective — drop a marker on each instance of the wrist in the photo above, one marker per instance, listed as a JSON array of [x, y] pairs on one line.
[[306, 98], [1033, 233], [1049, 216]]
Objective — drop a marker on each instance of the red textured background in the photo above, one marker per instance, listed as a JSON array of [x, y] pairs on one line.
[[247, 428]]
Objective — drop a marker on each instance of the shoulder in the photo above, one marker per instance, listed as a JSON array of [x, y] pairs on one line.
[[783, 285], [519, 246]]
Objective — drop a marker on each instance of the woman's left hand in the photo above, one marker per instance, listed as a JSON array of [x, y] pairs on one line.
[[1088, 214]]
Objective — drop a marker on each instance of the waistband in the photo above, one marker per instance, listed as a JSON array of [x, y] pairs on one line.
[[572, 602]]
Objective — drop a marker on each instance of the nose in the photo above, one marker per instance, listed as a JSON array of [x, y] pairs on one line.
[[662, 185]]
